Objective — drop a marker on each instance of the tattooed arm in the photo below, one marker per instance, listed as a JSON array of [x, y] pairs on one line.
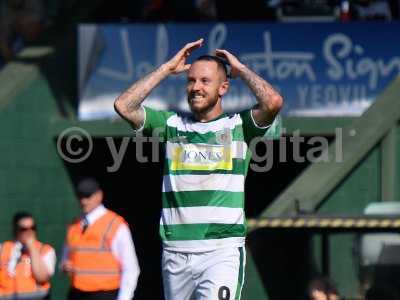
[[128, 104], [269, 100]]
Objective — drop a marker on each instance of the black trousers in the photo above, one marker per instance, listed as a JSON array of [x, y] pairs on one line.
[[75, 294]]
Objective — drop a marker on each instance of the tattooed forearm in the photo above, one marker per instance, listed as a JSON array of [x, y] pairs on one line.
[[261, 89], [134, 95], [138, 92], [128, 103]]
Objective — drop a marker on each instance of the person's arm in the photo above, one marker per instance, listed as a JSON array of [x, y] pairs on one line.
[[39, 269], [123, 249], [65, 264], [50, 259], [128, 104], [269, 100]]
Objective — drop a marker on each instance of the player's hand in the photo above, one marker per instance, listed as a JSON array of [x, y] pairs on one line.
[[178, 64], [236, 65]]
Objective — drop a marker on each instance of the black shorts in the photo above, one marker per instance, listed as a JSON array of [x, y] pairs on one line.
[[75, 294]]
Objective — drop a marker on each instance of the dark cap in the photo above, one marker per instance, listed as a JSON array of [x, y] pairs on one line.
[[87, 187]]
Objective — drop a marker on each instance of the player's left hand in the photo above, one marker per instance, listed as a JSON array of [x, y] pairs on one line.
[[236, 65]]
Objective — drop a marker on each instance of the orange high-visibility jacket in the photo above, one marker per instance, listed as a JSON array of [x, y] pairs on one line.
[[22, 283], [94, 266]]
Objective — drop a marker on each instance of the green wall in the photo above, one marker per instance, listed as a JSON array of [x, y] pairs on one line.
[[32, 177]]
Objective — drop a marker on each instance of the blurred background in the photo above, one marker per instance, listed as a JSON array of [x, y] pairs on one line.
[[323, 200]]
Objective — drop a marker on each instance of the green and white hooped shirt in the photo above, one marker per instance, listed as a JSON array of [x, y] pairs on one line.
[[203, 180]]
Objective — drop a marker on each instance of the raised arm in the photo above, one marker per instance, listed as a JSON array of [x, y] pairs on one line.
[[269, 100], [128, 104], [40, 271]]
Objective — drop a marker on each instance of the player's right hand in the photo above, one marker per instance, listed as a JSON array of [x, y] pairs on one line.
[[178, 64]]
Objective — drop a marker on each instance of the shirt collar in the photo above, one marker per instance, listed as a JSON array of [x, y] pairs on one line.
[[96, 213]]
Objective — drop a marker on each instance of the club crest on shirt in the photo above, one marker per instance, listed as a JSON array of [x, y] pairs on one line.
[[223, 137]]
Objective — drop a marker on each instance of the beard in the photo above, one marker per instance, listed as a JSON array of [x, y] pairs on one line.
[[202, 103]]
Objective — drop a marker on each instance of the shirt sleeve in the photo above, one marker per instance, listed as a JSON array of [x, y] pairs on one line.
[[50, 261], [250, 127], [155, 122], [123, 249]]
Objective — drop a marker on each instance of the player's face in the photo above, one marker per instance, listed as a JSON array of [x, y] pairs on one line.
[[91, 202], [205, 86]]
